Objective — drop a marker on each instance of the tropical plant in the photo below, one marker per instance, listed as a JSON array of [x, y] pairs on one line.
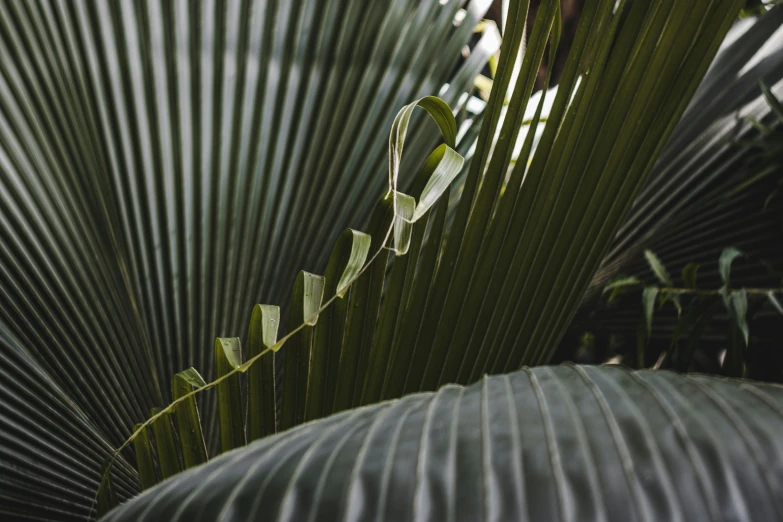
[[713, 186], [471, 289], [695, 179], [162, 166], [696, 308]]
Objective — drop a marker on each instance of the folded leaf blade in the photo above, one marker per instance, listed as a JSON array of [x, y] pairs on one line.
[[191, 437], [261, 396], [228, 357]]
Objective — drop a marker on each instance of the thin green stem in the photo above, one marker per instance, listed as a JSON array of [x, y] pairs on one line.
[[694, 291]]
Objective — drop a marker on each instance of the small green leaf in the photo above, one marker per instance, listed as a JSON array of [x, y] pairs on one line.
[[621, 282], [345, 263], [191, 437], [144, 463], [619, 285], [739, 311], [442, 166], [689, 275], [362, 315], [440, 112], [305, 302], [775, 303], [663, 276], [724, 263], [261, 403], [168, 451], [649, 295], [403, 225], [658, 269], [228, 356], [353, 248], [312, 296], [191, 377]]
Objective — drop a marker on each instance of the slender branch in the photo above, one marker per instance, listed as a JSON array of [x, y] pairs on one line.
[[695, 291]]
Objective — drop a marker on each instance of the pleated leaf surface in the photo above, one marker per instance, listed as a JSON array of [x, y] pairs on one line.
[[164, 167], [549, 443]]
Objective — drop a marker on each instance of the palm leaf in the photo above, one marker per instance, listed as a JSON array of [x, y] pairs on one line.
[[51, 451], [164, 166], [497, 300], [699, 201], [703, 161], [548, 443]]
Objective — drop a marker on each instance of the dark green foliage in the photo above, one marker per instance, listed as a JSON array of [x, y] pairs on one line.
[[697, 311], [549, 443], [715, 185]]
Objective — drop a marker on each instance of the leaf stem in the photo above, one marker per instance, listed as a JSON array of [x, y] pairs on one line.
[[695, 291]]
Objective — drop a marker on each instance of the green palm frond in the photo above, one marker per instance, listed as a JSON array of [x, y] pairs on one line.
[[481, 247], [709, 190], [166, 165]]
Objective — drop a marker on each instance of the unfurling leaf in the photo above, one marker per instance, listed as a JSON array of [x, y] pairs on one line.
[[345, 263], [619, 285], [191, 377], [738, 302], [305, 302], [144, 463], [261, 401], [663, 276], [658, 269], [724, 264], [440, 112], [228, 356], [351, 251], [443, 165], [403, 225], [191, 438], [312, 295]]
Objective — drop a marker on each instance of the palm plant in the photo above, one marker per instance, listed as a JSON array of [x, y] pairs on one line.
[[710, 189], [471, 287], [164, 164]]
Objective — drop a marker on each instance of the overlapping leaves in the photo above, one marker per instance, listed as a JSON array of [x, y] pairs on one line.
[[164, 166], [712, 188], [600, 140]]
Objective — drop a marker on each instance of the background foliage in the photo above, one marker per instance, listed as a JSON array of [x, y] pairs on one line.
[[704, 195]]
